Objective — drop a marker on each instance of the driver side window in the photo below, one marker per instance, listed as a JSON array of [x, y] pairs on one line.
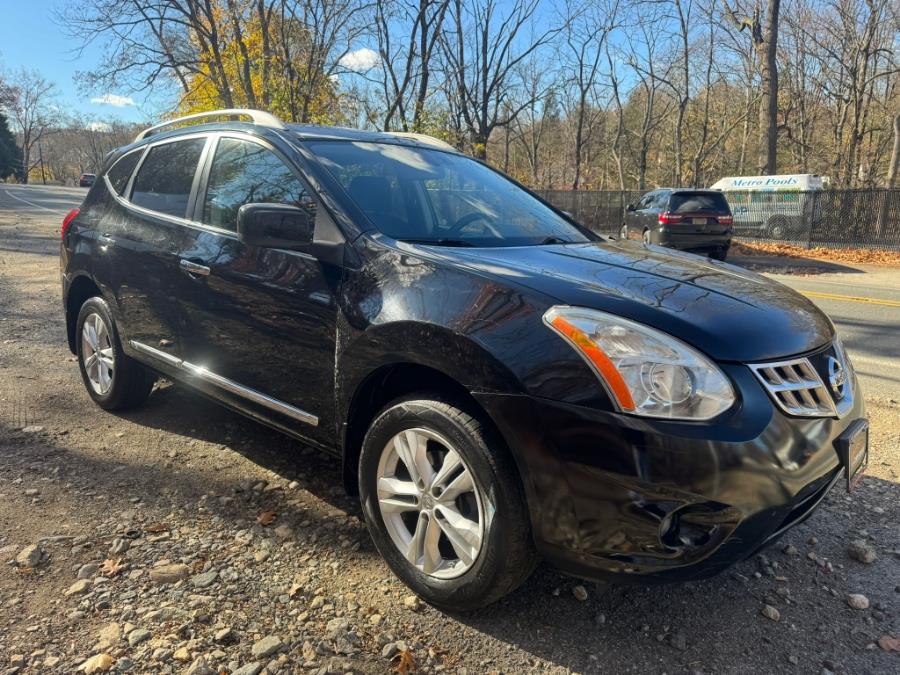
[[243, 173]]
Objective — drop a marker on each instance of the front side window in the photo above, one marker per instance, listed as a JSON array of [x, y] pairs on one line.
[[121, 171], [429, 196], [247, 173], [163, 183]]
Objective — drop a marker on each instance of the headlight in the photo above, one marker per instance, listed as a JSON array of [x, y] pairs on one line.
[[646, 371]]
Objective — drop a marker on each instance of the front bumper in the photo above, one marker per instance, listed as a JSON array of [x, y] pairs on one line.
[[617, 496]]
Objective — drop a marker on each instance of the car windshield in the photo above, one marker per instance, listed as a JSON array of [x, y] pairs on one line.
[[428, 196], [687, 202]]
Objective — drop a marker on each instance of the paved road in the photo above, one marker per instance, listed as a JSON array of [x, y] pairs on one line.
[[864, 302]]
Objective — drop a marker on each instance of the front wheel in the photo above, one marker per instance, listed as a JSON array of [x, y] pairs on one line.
[[113, 380], [443, 504]]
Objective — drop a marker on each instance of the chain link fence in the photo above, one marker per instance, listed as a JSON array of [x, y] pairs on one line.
[[867, 218]]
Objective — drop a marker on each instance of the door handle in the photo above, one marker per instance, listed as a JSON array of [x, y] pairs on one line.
[[194, 269]]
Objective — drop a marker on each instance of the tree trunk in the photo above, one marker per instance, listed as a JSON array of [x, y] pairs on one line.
[[768, 111]]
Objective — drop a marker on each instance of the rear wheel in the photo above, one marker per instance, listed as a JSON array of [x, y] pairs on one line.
[[443, 504], [719, 254], [113, 380]]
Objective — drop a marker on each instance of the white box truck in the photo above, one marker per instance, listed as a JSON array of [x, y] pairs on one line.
[[770, 206]]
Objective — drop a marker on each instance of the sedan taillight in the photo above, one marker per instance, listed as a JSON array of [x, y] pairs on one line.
[[726, 220]]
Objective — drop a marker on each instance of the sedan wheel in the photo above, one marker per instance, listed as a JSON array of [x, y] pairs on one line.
[[97, 353], [429, 503]]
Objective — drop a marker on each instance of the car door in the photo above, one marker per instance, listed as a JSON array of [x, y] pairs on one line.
[[259, 322], [633, 221], [141, 237]]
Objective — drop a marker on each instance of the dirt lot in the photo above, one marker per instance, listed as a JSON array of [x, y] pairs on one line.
[[108, 500]]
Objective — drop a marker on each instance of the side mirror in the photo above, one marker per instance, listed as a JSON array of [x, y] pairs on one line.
[[629, 208], [276, 225]]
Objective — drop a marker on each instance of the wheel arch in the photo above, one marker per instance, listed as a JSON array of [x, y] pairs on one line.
[[385, 362], [81, 288]]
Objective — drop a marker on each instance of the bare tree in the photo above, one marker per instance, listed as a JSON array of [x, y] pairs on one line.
[[585, 35], [407, 34], [485, 44], [30, 104]]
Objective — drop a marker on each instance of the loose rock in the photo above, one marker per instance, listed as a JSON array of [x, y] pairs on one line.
[[771, 613], [267, 646], [97, 664], [30, 556], [861, 551], [580, 593], [858, 601], [169, 574]]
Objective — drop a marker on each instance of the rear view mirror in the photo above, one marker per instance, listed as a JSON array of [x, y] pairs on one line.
[[629, 208], [276, 225]]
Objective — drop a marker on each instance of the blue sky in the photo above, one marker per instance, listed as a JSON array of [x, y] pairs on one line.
[[30, 37]]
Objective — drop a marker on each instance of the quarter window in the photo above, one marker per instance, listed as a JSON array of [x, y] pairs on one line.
[[163, 183], [121, 171], [247, 173]]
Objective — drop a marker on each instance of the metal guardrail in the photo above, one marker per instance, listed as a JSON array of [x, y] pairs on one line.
[[865, 218]]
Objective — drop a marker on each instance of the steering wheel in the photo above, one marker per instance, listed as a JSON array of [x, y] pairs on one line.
[[467, 220]]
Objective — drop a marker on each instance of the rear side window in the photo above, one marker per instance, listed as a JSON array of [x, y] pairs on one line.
[[121, 171], [687, 202], [245, 173], [163, 183]]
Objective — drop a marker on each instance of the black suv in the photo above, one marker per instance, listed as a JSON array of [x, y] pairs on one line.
[[499, 383], [690, 220]]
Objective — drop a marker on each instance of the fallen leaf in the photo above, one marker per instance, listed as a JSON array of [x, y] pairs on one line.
[[111, 568], [266, 517], [404, 663], [889, 643], [156, 528]]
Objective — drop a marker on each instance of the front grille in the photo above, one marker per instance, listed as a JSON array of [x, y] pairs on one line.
[[796, 387]]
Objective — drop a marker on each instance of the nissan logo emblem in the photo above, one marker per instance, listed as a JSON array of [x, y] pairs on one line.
[[837, 377]]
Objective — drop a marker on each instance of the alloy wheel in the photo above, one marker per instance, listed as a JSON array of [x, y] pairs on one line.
[[97, 353], [430, 504]]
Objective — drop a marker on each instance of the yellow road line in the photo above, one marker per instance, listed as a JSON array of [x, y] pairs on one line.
[[851, 298]]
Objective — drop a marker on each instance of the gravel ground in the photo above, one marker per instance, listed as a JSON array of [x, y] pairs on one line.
[[183, 538]]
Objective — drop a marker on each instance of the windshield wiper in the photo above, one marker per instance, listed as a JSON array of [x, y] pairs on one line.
[[554, 240], [438, 242]]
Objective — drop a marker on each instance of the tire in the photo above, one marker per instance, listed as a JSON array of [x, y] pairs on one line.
[[126, 383], [719, 254], [647, 237], [777, 227], [495, 505]]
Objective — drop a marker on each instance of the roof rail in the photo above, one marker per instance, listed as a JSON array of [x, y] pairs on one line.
[[259, 117], [424, 139]]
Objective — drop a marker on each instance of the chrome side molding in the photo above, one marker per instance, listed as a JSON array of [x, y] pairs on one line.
[[201, 373]]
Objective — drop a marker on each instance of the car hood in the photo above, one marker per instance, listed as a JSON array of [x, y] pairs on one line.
[[727, 312]]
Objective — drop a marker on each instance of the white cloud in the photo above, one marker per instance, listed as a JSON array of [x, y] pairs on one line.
[[113, 100], [100, 126], [360, 60]]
